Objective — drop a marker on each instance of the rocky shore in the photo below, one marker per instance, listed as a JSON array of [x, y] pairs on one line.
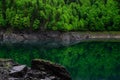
[[39, 70], [55, 38]]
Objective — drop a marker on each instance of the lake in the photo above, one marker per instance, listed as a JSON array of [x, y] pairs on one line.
[[94, 60]]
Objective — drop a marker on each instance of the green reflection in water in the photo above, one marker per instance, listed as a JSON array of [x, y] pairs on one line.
[[84, 61]]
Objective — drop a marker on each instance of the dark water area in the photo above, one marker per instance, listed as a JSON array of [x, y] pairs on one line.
[[84, 61]]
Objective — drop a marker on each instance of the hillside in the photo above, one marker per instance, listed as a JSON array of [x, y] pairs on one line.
[[61, 15]]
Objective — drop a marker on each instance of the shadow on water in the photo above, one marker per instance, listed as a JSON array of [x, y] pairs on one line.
[[85, 61]]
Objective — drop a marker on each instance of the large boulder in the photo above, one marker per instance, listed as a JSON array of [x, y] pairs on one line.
[[40, 70], [51, 68]]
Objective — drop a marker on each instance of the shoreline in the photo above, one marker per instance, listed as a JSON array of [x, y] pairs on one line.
[[56, 37]]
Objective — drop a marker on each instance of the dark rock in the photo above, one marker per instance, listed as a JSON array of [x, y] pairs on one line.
[[36, 74], [47, 78], [15, 79], [4, 73], [18, 71], [52, 77], [52, 68], [41, 70]]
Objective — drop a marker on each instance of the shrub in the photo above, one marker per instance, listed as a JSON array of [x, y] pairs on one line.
[[36, 24]]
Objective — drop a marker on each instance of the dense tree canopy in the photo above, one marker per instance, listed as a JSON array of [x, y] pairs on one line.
[[63, 15]]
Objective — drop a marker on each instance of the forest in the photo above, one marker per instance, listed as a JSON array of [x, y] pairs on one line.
[[60, 15]]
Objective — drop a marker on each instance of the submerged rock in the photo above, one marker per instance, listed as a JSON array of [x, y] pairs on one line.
[[40, 70]]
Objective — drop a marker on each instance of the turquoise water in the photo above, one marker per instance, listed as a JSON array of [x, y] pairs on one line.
[[84, 61]]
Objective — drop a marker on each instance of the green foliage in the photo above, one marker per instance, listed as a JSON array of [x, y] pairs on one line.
[[36, 24], [26, 21], [2, 21], [116, 22], [16, 21], [63, 15]]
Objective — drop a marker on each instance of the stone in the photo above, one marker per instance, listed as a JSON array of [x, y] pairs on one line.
[[52, 68], [7, 63], [15, 79], [12, 38], [3, 73], [18, 71], [47, 78], [36, 74], [41, 70], [52, 77]]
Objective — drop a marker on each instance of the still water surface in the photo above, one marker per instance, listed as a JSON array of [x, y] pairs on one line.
[[84, 61]]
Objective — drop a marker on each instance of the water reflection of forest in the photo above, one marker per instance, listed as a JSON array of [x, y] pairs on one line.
[[86, 61]]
